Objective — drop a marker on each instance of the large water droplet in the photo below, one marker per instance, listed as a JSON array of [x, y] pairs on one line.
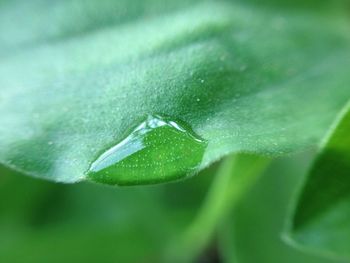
[[158, 150]]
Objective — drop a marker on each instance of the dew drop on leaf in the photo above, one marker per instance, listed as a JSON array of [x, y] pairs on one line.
[[160, 149]]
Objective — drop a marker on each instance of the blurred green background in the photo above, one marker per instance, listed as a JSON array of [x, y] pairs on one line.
[[46, 222]]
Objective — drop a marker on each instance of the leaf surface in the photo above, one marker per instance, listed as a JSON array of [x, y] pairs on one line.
[[77, 77]]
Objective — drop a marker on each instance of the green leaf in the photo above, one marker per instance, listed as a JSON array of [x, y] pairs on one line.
[[77, 77], [321, 218], [252, 231]]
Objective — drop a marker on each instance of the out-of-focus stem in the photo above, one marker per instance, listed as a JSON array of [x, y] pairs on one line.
[[234, 177]]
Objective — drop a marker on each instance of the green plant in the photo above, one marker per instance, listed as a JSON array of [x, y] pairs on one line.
[[141, 92]]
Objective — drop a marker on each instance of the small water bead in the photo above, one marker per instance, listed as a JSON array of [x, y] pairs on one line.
[[158, 150]]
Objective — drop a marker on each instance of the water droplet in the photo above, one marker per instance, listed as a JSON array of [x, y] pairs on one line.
[[159, 149]]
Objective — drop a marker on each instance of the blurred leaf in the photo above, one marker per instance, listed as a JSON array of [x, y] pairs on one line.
[[78, 76], [252, 232], [321, 217]]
